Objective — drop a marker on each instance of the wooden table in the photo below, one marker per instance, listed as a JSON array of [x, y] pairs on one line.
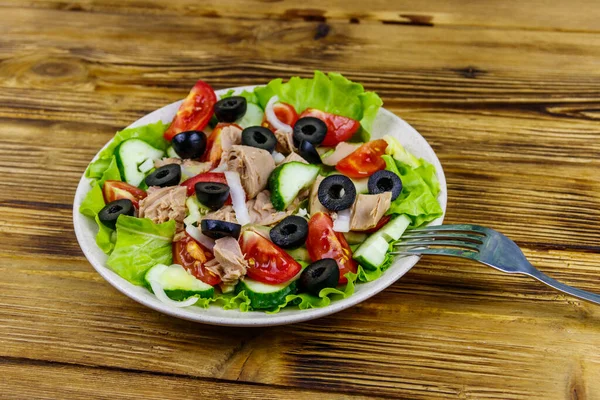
[[506, 91]]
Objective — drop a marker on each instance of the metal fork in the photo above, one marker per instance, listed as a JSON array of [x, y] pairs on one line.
[[481, 244]]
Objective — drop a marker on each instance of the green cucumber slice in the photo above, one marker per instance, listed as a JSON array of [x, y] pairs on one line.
[[263, 296], [371, 253], [130, 155], [177, 283], [287, 180], [253, 117]]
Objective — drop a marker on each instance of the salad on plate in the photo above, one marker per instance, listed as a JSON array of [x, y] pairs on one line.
[[259, 200]]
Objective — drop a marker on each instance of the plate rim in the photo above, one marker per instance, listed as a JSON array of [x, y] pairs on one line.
[[261, 318]]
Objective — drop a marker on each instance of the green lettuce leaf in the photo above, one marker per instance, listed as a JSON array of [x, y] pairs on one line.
[[420, 188], [332, 93], [93, 202], [105, 239], [151, 134], [111, 173], [141, 244]]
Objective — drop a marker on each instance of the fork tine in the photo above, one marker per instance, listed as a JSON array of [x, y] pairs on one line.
[[453, 243], [443, 236], [463, 228], [437, 252]]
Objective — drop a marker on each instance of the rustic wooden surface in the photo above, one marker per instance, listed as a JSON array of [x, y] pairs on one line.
[[506, 91]]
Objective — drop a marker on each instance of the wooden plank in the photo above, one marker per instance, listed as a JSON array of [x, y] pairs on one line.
[[64, 34], [433, 334], [510, 14], [42, 380]]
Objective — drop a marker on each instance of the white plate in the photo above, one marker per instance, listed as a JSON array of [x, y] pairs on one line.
[[85, 229]]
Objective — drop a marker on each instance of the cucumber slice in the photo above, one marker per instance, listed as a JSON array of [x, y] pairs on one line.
[[299, 254], [253, 117], [133, 153], [395, 228], [177, 283], [287, 180], [195, 210], [171, 153], [263, 296], [371, 253], [355, 237]]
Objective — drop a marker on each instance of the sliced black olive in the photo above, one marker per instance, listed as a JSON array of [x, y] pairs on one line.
[[109, 214], [319, 275], [167, 175], [190, 144], [212, 194], [260, 137], [230, 108], [290, 233], [309, 153], [218, 229], [337, 192], [385, 181], [310, 129]]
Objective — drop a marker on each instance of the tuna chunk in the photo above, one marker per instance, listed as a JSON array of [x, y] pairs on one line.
[[285, 143], [164, 204], [293, 157], [314, 205], [197, 166], [231, 135], [342, 150], [262, 212], [229, 262], [225, 213], [368, 210], [254, 166]]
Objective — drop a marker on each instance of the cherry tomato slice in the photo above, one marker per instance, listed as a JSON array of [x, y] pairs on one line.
[[267, 262], [324, 242], [195, 112], [192, 256], [364, 161], [116, 190], [190, 183], [284, 112], [339, 129]]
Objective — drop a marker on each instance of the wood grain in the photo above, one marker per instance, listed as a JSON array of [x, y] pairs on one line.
[[507, 93]]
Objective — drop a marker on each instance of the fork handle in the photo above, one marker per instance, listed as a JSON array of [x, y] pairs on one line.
[[581, 294]]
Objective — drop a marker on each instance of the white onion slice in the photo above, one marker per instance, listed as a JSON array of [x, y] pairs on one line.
[[277, 157], [200, 237], [342, 222], [238, 197], [272, 118], [302, 212], [162, 296]]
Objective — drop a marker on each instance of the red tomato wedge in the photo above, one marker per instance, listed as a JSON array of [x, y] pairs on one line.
[[214, 149], [284, 112], [195, 112], [384, 220], [192, 256], [324, 242], [116, 190], [339, 129], [217, 177], [267, 262], [364, 161]]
